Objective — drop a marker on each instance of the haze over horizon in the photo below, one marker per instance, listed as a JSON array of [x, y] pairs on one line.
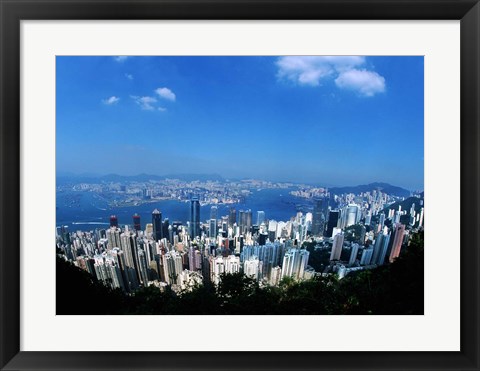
[[316, 120], [214, 176]]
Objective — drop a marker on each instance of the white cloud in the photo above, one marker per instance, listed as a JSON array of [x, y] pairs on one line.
[[166, 93], [120, 58], [112, 100], [150, 103], [366, 83], [145, 103], [313, 70], [310, 70], [128, 76]]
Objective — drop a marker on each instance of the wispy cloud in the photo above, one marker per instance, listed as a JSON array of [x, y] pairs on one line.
[[120, 58], [150, 103], [313, 70], [112, 100], [129, 76], [145, 103], [166, 93], [366, 83]]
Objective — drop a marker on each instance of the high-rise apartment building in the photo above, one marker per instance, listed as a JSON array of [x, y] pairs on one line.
[[232, 216], [294, 263], [214, 212], [136, 222], [318, 217], [337, 247], [173, 266], [253, 268], [399, 232], [366, 256], [157, 225], [194, 217], [260, 217], [381, 246], [212, 228], [353, 253], [332, 222], [113, 221], [113, 237], [353, 215]]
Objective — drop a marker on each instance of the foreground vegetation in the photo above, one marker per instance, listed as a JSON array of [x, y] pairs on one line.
[[396, 288]]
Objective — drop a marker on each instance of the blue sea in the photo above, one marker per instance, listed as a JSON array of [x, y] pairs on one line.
[[89, 211]]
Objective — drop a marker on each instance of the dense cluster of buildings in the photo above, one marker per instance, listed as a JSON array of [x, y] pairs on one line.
[[359, 232], [124, 192]]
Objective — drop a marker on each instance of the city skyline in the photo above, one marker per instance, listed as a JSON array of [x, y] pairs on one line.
[[345, 235], [323, 120]]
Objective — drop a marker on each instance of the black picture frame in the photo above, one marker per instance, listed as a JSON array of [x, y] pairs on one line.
[[13, 11]]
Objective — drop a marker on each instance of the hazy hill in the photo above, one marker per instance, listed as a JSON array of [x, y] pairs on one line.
[[407, 204], [88, 178], [384, 187]]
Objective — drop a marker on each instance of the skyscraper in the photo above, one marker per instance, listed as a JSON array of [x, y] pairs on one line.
[[253, 268], [136, 222], [194, 217], [382, 220], [224, 224], [318, 217], [157, 225], [353, 253], [397, 241], [272, 230], [248, 220], [142, 266], [113, 221], [217, 268], [129, 247], [213, 212], [420, 221], [337, 247], [165, 226], [275, 276], [294, 263], [232, 216], [212, 230], [113, 236], [260, 217], [353, 214], [366, 256], [332, 222], [381, 246], [107, 271], [232, 264], [173, 266]]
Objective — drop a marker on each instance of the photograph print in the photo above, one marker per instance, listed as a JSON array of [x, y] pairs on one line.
[[251, 185]]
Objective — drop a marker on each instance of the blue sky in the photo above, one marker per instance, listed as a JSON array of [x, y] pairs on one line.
[[324, 120]]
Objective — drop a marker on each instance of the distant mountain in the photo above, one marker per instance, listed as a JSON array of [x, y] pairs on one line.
[[384, 187], [129, 178], [193, 177], [88, 178]]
